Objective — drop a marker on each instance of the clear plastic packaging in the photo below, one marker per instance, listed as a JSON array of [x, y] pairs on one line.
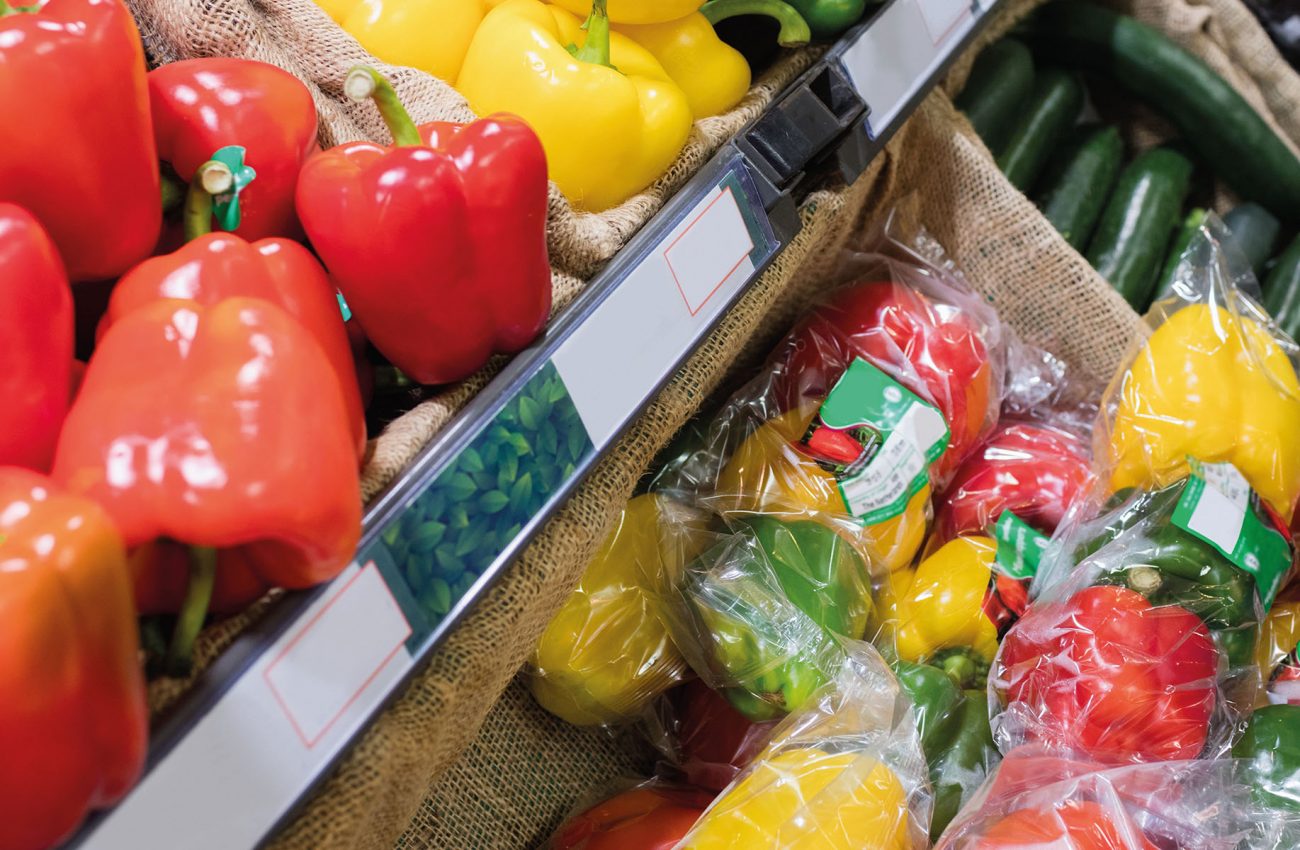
[[705, 740], [647, 815], [1215, 381], [606, 655], [845, 772], [1045, 801], [874, 398]]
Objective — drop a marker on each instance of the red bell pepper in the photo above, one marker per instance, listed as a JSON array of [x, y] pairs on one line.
[[646, 818], [218, 266], [36, 342], [222, 428], [202, 105], [77, 144], [439, 243], [1034, 471], [74, 722], [1075, 824], [934, 350], [1108, 675], [714, 741]]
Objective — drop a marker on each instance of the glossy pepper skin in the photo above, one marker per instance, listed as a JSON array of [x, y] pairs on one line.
[[650, 817], [73, 718], [843, 801], [202, 105], [1076, 824], [1271, 746], [190, 430], [431, 35], [769, 471], [1217, 388], [610, 118], [955, 736], [606, 655], [713, 75], [938, 614], [829, 18], [35, 343], [218, 266], [714, 741], [438, 244], [816, 571], [63, 66], [636, 11], [935, 350], [1107, 674]]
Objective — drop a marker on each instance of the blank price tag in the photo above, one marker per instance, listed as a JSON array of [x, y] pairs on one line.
[[899, 51], [711, 248]]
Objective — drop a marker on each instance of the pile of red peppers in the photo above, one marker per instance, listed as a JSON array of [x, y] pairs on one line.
[[210, 449]]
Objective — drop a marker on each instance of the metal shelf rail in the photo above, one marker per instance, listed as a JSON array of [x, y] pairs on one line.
[[267, 721]]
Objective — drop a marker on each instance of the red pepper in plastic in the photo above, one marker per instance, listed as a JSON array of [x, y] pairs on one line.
[[645, 818], [73, 718], [438, 243], [219, 433], [1076, 824], [77, 142], [1109, 675], [202, 105], [714, 741], [933, 349], [218, 266], [35, 342]]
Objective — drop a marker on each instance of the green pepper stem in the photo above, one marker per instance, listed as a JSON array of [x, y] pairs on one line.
[[794, 29], [211, 178], [365, 83], [194, 610], [595, 50], [960, 668], [173, 192], [6, 9]]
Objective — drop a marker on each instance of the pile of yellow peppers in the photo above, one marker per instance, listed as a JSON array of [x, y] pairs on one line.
[[612, 99]]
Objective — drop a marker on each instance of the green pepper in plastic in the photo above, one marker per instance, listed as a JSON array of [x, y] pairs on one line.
[[955, 736], [829, 18], [1271, 746]]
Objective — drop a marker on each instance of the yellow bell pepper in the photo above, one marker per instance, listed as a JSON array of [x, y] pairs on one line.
[[936, 613], [808, 799], [607, 133], [768, 472], [637, 11], [1217, 389], [1278, 636], [431, 35], [713, 74], [607, 654]]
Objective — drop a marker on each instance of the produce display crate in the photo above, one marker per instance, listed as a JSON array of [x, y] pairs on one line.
[[431, 743]]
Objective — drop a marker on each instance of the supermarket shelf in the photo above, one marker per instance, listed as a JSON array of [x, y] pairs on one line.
[[267, 721]]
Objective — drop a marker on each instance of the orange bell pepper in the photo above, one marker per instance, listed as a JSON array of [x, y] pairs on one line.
[[73, 718]]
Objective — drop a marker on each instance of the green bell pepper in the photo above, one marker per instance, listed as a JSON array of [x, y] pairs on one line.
[[1271, 746], [828, 18], [776, 656], [1171, 566], [955, 736]]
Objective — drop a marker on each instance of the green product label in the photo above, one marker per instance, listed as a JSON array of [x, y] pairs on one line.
[[877, 439], [1218, 506], [1020, 546]]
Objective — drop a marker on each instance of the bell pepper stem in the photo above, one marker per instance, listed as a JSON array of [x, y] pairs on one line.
[[595, 50], [211, 178], [1145, 580], [7, 9], [194, 610], [365, 83], [794, 29], [173, 193]]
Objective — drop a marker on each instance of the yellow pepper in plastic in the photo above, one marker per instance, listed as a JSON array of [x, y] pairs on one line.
[[767, 471], [431, 35], [1218, 389], [807, 799], [609, 117], [637, 11], [936, 613], [1278, 636], [607, 654], [713, 74]]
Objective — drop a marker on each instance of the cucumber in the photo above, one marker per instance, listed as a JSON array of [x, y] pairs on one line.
[[1165, 283], [1078, 181], [1214, 120], [1282, 290], [1255, 230], [1051, 111], [1129, 245], [998, 88]]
